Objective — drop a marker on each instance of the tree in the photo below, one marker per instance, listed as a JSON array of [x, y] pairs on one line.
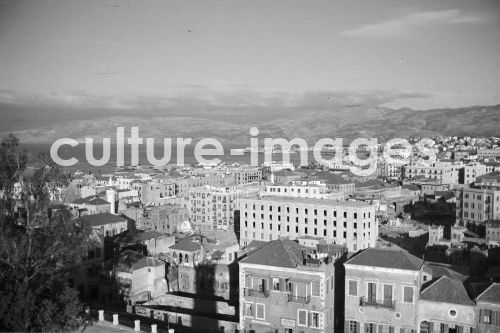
[[37, 248]]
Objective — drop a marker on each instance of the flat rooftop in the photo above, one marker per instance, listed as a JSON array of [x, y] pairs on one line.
[[324, 202]]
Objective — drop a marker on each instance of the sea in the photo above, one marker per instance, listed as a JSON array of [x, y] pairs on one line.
[[78, 152]]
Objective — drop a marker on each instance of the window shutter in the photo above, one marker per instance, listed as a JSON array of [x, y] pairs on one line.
[[248, 281], [358, 327]]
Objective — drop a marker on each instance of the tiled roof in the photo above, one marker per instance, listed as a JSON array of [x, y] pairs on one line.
[[186, 244], [411, 187], [279, 253], [446, 290], [438, 269], [445, 194], [91, 200], [387, 258], [491, 294], [102, 219]]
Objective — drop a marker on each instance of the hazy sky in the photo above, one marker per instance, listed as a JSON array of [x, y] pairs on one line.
[[120, 54]]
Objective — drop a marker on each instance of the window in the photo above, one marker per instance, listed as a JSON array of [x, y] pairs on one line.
[[276, 284], [486, 316], [249, 309], [353, 326], [314, 320], [302, 318], [372, 291], [407, 294], [385, 329], [370, 328], [315, 288], [387, 294], [289, 286], [260, 314], [353, 288]]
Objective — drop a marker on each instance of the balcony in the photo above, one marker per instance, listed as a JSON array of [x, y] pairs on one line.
[[386, 304], [256, 293], [298, 299]]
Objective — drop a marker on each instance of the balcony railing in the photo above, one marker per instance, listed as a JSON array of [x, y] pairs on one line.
[[256, 292], [298, 299], [377, 303]]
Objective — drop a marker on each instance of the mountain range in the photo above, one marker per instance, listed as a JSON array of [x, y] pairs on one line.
[[44, 125]]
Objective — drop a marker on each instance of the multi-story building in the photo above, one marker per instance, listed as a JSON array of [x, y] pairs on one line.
[[287, 287], [381, 291], [430, 188], [245, 174], [278, 166], [213, 208], [472, 171], [139, 278], [488, 310], [479, 203], [106, 224], [208, 280], [156, 190], [350, 223], [183, 185], [493, 233], [166, 219], [90, 205], [444, 171], [488, 153]]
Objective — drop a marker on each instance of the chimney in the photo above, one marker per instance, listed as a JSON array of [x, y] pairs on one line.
[[110, 197]]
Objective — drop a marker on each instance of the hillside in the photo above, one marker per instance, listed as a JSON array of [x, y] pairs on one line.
[[347, 122]]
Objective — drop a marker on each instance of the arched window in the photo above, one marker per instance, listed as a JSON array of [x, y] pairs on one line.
[[180, 258], [186, 258]]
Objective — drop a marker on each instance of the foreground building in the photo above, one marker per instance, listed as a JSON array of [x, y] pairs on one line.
[[138, 278], [381, 291], [168, 219], [349, 223], [287, 287], [444, 306]]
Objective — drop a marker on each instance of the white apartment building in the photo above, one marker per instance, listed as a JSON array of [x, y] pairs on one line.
[[212, 208], [278, 166], [349, 223], [481, 202], [444, 172], [476, 169]]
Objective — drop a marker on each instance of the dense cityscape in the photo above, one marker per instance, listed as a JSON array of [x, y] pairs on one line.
[[284, 248]]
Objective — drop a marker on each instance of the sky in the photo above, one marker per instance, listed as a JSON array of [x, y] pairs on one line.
[[125, 54]]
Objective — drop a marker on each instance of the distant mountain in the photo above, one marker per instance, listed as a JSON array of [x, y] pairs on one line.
[[347, 122]]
